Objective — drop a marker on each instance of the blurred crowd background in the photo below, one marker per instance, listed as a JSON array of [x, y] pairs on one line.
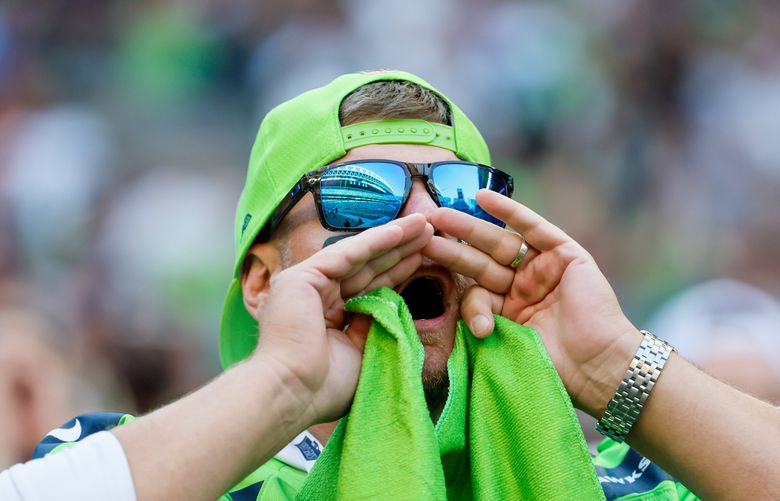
[[647, 130]]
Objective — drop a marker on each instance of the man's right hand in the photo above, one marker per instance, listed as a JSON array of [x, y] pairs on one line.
[[302, 333]]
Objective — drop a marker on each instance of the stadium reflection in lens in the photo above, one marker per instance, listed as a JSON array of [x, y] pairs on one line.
[[362, 195], [457, 186]]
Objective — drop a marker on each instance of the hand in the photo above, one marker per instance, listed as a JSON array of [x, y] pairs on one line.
[[302, 333], [557, 289]]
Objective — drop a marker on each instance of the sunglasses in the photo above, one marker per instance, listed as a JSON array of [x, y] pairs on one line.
[[361, 194]]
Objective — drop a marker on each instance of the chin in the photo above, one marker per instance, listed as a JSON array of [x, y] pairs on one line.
[[434, 373], [433, 295], [435, 381]]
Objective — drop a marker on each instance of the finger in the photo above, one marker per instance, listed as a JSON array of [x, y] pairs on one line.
[[395, 275], [365, 275], [503, 245], [538, 232], [543, 273], [471, 262], [526, 259], [477, 308], [347, 256]]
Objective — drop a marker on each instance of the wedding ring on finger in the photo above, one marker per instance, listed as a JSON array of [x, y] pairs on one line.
[[520, 254]]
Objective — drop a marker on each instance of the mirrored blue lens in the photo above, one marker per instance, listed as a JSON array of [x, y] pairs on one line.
[[362, 195], [457, 186]]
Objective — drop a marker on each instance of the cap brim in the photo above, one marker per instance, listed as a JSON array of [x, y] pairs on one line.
[[238, 330]]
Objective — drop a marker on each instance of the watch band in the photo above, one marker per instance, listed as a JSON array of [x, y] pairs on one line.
[[624, 407]]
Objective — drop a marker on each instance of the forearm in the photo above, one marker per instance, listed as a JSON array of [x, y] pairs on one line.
[[203, 444], [717, 441]]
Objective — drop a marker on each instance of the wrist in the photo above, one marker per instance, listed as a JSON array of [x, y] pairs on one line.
[[625, 407], [603, 375], [288, 400]]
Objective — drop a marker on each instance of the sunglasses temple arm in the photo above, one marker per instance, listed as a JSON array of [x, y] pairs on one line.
[[289, 201]]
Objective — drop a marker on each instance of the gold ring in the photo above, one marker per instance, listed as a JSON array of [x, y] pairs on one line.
[[520, 254]]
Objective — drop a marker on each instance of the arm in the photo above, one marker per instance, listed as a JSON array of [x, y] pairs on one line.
[[304, 371], [719, 442], [200, 446]]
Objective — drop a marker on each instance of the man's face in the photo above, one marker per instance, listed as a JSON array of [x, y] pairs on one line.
[[433, 293]]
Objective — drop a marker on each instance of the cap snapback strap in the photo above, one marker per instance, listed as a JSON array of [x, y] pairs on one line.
[[403, 130]]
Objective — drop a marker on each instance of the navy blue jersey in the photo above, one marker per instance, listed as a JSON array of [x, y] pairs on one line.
[[622, 472]]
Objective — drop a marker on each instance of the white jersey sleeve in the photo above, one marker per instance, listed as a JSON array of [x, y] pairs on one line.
[[94, 469]]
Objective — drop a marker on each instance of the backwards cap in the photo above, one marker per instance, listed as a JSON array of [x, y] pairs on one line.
[[301, 135]]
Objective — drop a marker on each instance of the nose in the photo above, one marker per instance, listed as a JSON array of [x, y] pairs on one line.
[[420, 200]]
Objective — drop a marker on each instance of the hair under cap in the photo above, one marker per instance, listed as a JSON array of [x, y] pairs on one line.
[[301, 135]]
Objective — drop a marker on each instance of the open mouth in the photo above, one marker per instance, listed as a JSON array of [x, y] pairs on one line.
[[424, 296]]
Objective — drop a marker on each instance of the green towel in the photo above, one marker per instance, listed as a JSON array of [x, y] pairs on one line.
[[507, 432]]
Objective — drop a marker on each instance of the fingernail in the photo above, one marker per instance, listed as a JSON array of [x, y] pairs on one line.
[[480, 324]]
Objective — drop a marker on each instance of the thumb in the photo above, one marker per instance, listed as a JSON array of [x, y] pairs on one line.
[[477, 308]]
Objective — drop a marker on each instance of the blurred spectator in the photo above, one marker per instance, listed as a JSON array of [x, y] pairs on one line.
[[168, 52], [34, 386], [165, 244], [55, 170], [39, 385], [730, 329]]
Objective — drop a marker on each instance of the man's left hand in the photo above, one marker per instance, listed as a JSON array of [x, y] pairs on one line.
[[556, 288]]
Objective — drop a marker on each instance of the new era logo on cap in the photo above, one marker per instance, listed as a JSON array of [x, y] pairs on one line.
[[244, 226]]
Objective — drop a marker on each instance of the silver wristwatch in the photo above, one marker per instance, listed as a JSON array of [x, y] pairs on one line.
[[624, 407]]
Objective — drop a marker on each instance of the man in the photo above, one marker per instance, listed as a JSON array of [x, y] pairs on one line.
[[392, 154]]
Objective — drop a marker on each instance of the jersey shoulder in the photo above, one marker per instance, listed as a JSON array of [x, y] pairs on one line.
[[77, 429]]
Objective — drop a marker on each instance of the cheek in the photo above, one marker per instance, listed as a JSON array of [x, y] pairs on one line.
[[305, 240]]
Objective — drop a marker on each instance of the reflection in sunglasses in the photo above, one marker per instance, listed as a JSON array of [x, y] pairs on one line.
[[361, 194]]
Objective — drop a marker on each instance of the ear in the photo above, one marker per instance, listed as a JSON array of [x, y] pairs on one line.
[[263, 262]]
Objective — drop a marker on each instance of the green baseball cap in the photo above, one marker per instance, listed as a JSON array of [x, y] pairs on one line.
[[301, 135]]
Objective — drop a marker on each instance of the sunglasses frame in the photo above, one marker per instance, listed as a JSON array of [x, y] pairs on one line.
[[310, 182]]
